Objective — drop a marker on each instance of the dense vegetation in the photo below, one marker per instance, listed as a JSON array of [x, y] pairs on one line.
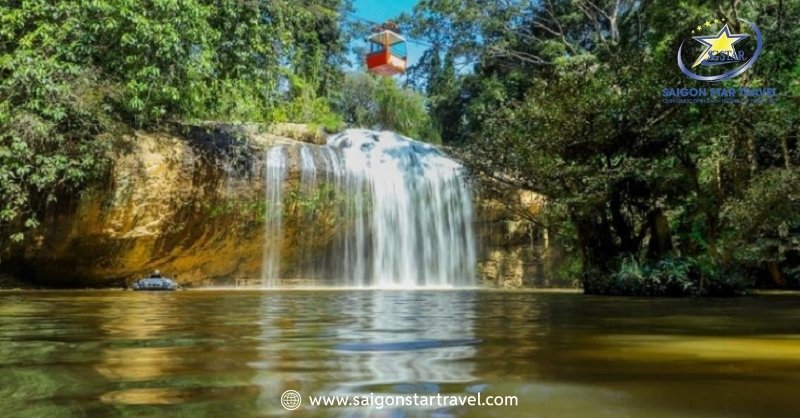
[[75, 75], [564, 99], [560, 97]]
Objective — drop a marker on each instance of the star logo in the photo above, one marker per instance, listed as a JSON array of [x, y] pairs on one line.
[[724, 56], [719, 46]]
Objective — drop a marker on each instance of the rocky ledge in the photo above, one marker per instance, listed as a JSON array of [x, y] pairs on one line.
[[190, 201]]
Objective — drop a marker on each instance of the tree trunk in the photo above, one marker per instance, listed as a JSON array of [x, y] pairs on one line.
[[775, 273], [598, 250], [660, 237], [787, 158], [622, 226]]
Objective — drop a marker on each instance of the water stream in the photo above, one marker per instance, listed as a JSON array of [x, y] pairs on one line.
[[276, 173]]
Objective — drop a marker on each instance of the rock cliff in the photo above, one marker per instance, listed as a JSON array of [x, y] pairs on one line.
[[191, 203]]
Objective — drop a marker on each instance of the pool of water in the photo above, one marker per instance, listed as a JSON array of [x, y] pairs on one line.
[[233, 353]]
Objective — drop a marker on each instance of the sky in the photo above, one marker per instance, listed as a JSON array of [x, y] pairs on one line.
[[383, 10]]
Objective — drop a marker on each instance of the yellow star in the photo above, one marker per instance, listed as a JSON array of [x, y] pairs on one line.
[[708, 24], [716, 20], [721, 43], [699, 28]]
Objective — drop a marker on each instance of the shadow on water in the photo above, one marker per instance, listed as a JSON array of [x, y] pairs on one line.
[[233, 353]]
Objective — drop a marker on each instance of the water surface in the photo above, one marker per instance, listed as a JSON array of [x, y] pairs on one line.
[[232, 353]]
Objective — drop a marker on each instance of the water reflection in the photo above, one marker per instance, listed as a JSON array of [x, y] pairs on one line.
[[407, 337], [378, 342], [209, 354], [136, 355], [175, 349]]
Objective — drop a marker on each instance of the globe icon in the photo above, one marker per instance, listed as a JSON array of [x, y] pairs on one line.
[[291, 400]]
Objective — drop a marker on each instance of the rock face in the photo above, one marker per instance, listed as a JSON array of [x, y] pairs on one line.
[[167, 204], [511, 246], [191, 203]]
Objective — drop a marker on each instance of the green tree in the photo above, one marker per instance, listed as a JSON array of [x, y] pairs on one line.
[[74, 74], [52, 112], [443, 91], [564, 100], [378, 102]]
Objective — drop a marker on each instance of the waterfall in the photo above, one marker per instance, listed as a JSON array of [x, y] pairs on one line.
[[308, 169], [276, 168], [406, 212]]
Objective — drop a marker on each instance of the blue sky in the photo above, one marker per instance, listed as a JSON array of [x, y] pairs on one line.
[[382, 10]]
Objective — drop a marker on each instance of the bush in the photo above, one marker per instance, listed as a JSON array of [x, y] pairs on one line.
[[669, 276], [304, 106], [765, 233]]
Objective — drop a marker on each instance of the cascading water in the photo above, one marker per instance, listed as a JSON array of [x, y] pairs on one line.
[[276, 168], [308, 173], [406, 211]]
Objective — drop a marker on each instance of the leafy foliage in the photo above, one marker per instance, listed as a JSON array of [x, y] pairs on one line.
[[379, 102], [767, 220], [51, 112], [306, 107], [564, 100], [559, 97], [74, 74]]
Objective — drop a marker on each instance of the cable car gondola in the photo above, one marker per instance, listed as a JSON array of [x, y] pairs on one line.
[[388, 53]]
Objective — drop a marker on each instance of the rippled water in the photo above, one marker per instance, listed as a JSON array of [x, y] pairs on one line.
[[232, 353]]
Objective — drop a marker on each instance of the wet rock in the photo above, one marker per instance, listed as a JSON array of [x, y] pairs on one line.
[[190, 202]]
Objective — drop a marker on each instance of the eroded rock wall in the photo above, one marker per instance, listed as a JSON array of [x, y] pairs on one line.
[[192, 204], [189, 204], [510, 244]]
